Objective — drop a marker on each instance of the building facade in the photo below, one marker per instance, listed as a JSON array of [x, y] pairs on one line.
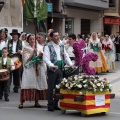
[[68, 16], [11, 15], [84, 16], [112, 18], [77, 16]]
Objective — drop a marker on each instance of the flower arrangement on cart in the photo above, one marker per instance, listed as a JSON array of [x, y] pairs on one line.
[[86, 93]]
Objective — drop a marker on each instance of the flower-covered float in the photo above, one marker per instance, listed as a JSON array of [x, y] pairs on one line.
[[86, 93]]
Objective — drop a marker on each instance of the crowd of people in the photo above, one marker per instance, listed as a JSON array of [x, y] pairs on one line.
[[35, 62]]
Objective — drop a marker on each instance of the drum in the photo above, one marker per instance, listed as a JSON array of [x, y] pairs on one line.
[[4, 74], [16, 62]]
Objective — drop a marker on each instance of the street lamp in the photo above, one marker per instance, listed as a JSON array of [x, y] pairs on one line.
[[1, 5]]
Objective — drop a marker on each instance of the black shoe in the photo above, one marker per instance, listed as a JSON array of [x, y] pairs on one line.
[[15, 91], [20, 106], [51, 109], [57, 108], [0, 98], [7, 99]]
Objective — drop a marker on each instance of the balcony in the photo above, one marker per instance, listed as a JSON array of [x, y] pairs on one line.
[[88, 4]]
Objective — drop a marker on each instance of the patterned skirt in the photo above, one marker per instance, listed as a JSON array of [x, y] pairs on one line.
[[100, 65], [33, 95]]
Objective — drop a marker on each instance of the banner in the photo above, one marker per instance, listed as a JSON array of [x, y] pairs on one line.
[[41, 27], [28, 10]]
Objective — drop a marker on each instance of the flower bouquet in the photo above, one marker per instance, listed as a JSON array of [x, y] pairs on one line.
[[85, 83], [35, 59]]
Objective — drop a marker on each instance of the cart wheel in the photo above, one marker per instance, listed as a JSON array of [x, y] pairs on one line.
[[103, 113], [63, 111], [83, 114]]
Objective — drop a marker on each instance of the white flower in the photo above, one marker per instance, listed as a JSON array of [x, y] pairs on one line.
[[58, 86], [69, 88], [92, 76], [98, 84], [95, 81], [71, 85], [79, 86], [75, 78], [80, 93], [65, 80], [80, 77], [110, 86], [101, 89], [107, 90], [95, 90], [67, 85], [91, 83], [100, 79], [84, 81], [94, 85], [85, 85]]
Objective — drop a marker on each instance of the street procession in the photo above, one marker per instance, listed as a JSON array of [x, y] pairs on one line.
[[59, 58]]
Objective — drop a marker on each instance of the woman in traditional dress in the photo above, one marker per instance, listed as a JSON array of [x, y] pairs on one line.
[[95, 46], [3, 38], [34, 84], [41, 37], [108, 47]]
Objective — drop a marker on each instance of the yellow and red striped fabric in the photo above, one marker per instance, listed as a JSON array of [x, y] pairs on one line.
[[87, 106]]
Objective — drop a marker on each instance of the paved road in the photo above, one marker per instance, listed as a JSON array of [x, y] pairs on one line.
[[10, 111]]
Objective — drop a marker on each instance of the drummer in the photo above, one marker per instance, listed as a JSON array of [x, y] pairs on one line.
[[15, 50], [5, 63]]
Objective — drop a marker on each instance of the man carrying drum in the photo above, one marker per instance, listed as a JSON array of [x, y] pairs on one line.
[[15, 51], [6, 64]]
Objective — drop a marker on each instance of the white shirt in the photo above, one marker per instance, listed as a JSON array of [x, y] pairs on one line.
[[14, 46], [2, 45], [12, 64], [46, 56]]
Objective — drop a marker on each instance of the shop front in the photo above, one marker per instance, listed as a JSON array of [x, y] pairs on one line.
[[111, 25]]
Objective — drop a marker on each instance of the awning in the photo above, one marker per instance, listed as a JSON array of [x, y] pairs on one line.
[[111, 20], [57, 15]]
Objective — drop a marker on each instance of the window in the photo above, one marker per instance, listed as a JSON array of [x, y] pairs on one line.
[[112, 3], [85, 26], [69, 24]]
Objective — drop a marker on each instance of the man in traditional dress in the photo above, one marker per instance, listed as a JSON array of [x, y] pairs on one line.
[[15, 50], [54, 54]]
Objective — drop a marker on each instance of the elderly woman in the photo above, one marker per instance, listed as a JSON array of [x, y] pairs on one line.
[[34, 84], [41, 37], [95, 46]]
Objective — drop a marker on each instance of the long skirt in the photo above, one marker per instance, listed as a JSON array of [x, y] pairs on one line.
[[110, 58], [33, 95], [100, 65]]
